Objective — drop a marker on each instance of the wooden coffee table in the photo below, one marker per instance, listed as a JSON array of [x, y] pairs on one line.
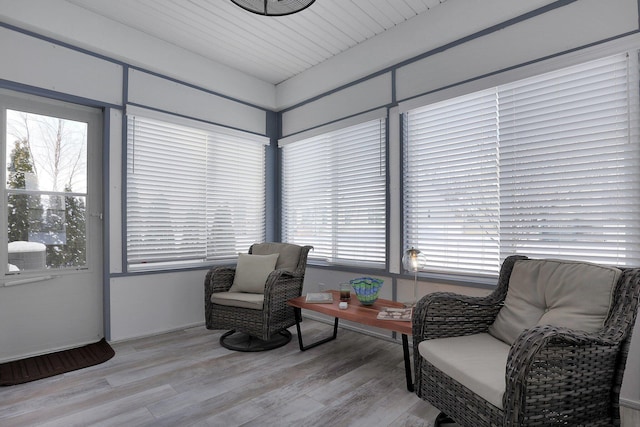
[[366, 315]]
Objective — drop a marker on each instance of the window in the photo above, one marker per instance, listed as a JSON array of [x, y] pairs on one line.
[[334, 194], [451, 197], [46, 183], [547, 166], [195, 192]]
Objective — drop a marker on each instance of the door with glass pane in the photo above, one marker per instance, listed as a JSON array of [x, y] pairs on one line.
[[51, 289]]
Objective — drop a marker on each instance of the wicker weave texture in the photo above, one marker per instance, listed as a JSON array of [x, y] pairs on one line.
[[275, 315], [554, 376]]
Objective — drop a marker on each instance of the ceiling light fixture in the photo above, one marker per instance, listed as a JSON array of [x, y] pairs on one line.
[[273, 7]]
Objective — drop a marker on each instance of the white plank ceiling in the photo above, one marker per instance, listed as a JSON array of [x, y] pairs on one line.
[[272, 49]]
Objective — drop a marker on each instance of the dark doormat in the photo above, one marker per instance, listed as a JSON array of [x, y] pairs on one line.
[[47, 365]]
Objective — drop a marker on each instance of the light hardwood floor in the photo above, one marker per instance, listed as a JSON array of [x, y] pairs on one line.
[[186, 378]]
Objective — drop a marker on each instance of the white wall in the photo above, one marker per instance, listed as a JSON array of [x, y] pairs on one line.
[[538, 37], [150, 90], [444, 24], [364, 96], [545, 35], [66, 22], [33, 62], [155, 303]]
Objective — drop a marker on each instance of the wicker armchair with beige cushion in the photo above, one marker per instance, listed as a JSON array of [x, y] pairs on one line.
[[547, 347], [250, 298]]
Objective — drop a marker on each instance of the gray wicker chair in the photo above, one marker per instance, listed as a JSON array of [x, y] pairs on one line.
[[265, 326], [554, 375]]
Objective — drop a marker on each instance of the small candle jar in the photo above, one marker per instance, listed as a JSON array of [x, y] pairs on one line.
[[345, 292]]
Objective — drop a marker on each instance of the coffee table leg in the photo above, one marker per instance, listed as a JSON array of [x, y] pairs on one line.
[[317, 343], [407, 361]]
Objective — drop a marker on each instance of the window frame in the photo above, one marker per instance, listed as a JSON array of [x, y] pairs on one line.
[[327, 249], [463, 276], [212, 135], [93, 117]]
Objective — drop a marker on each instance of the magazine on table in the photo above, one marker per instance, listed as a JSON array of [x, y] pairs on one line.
[[319, 298], [393, 313]]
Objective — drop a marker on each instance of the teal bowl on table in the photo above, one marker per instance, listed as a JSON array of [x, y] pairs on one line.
[[366, 289]]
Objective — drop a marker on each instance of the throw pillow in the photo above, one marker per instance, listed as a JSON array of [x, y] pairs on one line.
[[252, 272]]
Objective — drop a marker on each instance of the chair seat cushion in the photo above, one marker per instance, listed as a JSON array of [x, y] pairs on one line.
[[479, 362], [575, 295], [252, 272], [238, 299]]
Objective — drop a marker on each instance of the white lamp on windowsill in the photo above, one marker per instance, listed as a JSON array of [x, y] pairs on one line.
[[413, 260]]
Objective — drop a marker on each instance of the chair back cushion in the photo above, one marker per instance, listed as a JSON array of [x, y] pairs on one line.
[[289, 254], [252, 272], [576, 295]]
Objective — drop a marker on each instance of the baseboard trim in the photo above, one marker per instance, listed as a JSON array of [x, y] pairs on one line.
[[306, 314], [155, 334], [628, 403]]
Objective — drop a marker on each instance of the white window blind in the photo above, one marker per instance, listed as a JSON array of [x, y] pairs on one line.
[[194, 193], [334, 194], [451, 205], [565, 180], [569, 170], [235, 193]]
